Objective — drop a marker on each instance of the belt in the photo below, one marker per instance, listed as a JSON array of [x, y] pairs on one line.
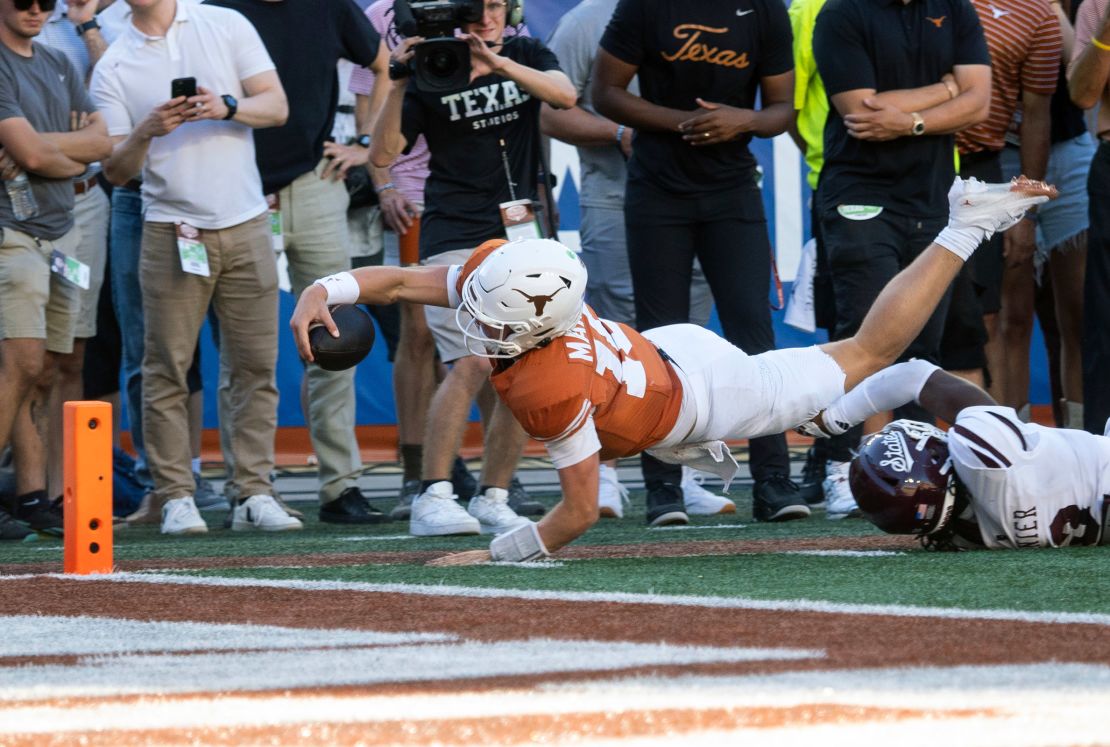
[[345, 109], [85, 185], [980, 156], [135, 185]]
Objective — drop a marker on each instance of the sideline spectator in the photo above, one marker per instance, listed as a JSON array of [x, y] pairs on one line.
[[206, 235], [481, 158], [73, 30], [901, 78], [692, 188], [1089, 84], [603, 149], [993, 298], [49, 133], [302, 178]]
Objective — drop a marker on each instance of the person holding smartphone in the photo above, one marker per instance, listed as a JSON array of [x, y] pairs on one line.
[[206, 236]]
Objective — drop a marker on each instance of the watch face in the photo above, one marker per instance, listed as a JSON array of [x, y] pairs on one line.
[[363, 140]]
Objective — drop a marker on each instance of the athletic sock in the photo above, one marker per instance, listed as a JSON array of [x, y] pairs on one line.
[[411, 457], [425, 484]]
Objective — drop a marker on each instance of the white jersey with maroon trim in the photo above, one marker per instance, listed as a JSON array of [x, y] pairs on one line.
[[1030, 486]]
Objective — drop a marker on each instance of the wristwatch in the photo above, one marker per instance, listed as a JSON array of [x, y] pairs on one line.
[[231, 103], [363, 140], [87, 26], [918, 124]]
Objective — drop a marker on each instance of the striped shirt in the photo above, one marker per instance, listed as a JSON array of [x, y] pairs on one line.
[[1024, 40]]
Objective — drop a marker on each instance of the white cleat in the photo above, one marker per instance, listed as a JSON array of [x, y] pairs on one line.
[[180, 516], [611, 495], [492, 511], [839, 501], [995, 207], [435, 513], [262, 512], [698, 500]]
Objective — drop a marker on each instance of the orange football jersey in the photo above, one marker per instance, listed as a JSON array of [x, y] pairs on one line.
[[601, 368]]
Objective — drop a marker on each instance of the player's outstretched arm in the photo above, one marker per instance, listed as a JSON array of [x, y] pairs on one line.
[[377, 285], [976, 212], [567, 521]]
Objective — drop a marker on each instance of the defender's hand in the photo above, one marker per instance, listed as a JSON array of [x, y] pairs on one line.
[[312, 309], [470, 557]]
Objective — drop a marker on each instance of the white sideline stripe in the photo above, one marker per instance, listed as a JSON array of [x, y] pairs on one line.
[[695, 527], [385, 538], [149, 674], [1037, 698], [33, 635], [844, 553], [616, 597]]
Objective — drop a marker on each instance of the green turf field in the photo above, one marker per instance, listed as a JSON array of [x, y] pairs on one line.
[[1073, 580]]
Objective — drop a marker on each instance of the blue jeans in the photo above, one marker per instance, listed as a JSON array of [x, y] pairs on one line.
[[124, 242]]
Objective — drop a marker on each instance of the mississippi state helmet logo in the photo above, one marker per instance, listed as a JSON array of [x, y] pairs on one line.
[[540, 302]]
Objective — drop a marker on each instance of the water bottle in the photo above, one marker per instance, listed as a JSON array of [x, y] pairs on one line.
[[24, 205]]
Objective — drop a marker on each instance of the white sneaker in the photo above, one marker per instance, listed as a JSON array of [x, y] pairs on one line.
[[839, 501], [611, 495], [994, 207], [492, 511], [698, 500], [180, 516], [435, 513], [262, 512]]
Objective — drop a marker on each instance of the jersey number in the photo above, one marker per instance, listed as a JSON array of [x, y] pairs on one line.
[[1074, 526], [607, 341]]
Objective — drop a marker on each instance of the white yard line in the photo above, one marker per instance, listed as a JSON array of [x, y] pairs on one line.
[[797, 605]]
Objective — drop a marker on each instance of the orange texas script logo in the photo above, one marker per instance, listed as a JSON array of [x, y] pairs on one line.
[[694, 51]]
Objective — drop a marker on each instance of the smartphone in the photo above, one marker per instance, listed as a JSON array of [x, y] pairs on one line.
[[183, 87]]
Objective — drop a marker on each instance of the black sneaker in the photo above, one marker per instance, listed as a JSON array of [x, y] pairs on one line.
[[10, 529], [813, 475], [778, 498], [521, 503], [403, 510], [351, 507], [665, 507], [462, 482], [38, 513]]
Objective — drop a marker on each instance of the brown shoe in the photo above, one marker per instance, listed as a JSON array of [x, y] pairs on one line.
[[148, 512]]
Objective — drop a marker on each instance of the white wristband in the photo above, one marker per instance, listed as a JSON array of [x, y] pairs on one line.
[[341, 287], [962, 241], [518, 545]]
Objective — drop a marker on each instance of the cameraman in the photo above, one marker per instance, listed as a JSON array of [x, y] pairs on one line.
[[475, 135]]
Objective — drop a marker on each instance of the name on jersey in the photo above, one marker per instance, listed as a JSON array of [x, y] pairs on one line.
[[1025, 528], [603, 352], [485, 100], [694, 50]]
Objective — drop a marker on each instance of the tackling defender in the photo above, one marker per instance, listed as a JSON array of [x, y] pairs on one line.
[[591, 389], [991, 481]]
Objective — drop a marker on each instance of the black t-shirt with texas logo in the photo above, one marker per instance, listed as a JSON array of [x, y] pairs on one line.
[[716, 50], [471, 135]]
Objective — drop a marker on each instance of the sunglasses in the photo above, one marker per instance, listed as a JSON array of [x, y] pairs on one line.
[[46, 6]]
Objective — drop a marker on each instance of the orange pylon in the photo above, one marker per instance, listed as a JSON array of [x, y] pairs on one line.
[[87, 434]]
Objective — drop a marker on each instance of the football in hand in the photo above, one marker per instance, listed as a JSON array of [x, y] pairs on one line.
[[356, 337]]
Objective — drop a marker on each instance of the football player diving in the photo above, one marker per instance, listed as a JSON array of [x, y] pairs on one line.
[[591, 389], [991, 481]]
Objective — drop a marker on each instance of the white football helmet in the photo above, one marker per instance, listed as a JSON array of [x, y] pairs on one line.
[[523, 294]]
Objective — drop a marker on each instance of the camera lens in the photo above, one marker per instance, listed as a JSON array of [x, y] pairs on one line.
[[442, 63]]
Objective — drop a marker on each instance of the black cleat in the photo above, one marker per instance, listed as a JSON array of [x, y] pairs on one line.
[[521, 503], [38, 513], [813, 475], [462, 482], [351, 507], [10, 529], [665, 506], [778, 498]]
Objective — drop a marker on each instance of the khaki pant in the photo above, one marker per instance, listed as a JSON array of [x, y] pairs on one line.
[[36, 303], [243, 288]]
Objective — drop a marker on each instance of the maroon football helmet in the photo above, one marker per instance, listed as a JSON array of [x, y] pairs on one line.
[[902, 478]]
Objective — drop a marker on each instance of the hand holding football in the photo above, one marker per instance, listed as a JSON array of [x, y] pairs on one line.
[[356, 337]]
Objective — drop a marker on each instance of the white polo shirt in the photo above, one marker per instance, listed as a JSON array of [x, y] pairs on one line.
[[203, 173]]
